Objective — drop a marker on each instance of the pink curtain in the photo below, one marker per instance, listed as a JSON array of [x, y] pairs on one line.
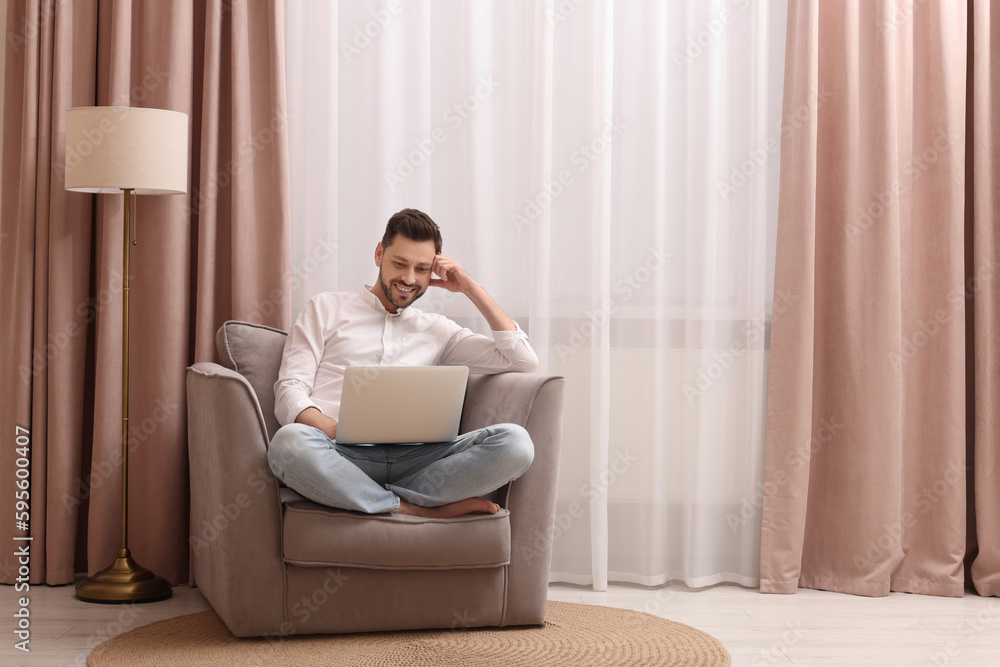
[[881, 469], [219, 252], [983, 160]]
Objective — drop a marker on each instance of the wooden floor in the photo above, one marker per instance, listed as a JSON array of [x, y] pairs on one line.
[[809, 628]]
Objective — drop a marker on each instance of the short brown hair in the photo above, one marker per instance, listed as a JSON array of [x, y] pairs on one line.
[[414, 225]]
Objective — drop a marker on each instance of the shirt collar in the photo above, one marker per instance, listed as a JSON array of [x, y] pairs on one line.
[[373, 302]]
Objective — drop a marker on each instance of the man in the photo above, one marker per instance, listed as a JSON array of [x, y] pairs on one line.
[[375, 326]]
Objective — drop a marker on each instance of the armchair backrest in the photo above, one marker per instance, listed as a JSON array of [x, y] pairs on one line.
[[254, 351]]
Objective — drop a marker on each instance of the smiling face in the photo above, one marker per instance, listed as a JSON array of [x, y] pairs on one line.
[[404, 272]]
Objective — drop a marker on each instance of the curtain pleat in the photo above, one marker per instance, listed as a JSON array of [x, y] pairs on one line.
[[866, 464], [985, 202], [789, 407], [62, 410], [219, 252], [45, 245], [243, 220]]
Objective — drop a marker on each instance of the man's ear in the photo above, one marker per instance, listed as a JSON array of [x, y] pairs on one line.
[[379, 251]]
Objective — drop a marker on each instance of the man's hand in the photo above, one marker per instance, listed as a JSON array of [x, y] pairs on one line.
[[315, 418], [453, 277], [456, 279]]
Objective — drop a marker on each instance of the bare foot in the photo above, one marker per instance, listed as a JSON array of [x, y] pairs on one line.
[[461, 508]]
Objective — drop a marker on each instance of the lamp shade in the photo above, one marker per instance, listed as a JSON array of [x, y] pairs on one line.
[[111, 148]]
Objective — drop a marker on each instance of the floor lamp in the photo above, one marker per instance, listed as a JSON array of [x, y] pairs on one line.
[[114, 150]]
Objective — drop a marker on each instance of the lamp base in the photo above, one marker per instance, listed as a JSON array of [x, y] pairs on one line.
[[124, 581]]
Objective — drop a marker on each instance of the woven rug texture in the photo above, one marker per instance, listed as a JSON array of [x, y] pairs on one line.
[[574, 635]]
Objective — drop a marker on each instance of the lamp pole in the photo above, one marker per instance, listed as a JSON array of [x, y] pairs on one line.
[[124, 580]]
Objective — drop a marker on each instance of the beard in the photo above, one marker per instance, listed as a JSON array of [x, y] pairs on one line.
[[390, 296]]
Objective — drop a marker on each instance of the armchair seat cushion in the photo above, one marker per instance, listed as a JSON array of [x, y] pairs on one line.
[[318, 536]]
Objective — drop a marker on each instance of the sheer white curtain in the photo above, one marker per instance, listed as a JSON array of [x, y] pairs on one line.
[[608, 170]]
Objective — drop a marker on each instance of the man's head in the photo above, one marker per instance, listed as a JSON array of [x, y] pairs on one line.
[[405, 258], [414, 225]]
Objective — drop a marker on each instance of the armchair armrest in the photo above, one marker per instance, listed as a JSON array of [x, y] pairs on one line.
[[235, 502], [535, 402]]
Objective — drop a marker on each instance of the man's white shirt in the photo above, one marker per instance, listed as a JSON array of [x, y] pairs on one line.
[[340, 329]]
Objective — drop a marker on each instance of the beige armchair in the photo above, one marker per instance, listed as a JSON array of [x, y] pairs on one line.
[[273, 563]]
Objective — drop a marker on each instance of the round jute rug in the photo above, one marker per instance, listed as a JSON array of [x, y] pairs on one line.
[[575, 635]]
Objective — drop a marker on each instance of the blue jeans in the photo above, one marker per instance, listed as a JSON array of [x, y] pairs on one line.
[[373, 478]]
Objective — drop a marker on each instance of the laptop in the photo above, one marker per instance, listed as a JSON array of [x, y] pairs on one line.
[[401, 404]]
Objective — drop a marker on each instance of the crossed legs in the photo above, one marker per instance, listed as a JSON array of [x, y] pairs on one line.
[[434, 479]]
